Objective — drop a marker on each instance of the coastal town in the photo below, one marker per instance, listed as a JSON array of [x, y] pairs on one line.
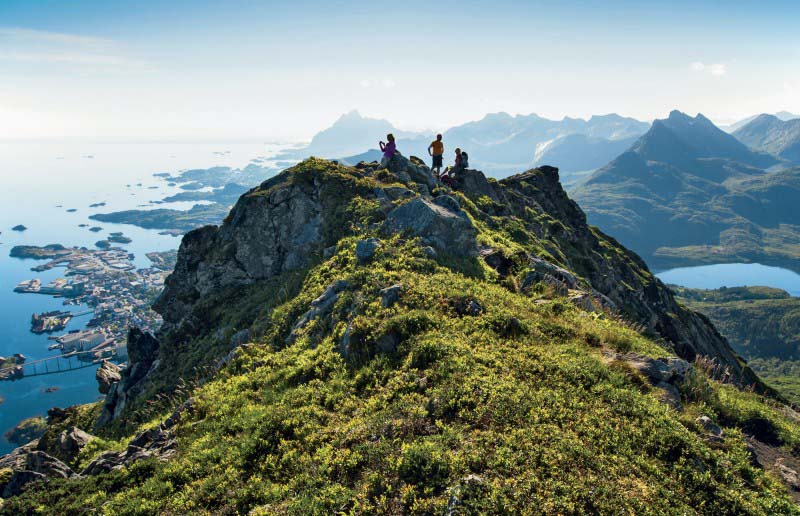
[[103, 284]]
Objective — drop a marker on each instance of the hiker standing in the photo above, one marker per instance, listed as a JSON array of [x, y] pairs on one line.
[[436, 150], [388, 150]]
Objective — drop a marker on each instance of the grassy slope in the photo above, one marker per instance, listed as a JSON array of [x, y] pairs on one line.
[[762, 324], [519, 396]]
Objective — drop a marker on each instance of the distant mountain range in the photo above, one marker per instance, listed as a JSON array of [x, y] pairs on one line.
[[780, 115], [772, 134], [499, 144], [687, 192], [353, 134]]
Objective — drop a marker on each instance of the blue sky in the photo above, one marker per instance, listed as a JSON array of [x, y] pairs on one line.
[[283, 70]]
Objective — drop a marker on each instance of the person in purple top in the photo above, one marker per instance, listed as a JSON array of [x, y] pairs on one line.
[[388, 150]]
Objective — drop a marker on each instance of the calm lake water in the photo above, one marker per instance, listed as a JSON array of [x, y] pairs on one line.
[[733, 275], [36, 179]]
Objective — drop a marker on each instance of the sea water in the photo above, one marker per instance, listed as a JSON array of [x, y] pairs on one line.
[[39, 182]]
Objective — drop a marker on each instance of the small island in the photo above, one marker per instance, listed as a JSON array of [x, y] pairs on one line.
[[95, 229], [119, 238], [19, 227], [72, 210], [97, 205], [47, 252], [103, 244]]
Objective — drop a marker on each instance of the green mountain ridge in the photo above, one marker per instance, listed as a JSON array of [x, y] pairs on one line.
[[366, 341], [769, 133], [687, 193]]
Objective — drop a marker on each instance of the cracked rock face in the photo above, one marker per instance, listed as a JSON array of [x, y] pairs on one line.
[[275, 228], [30, 465], [446, 228]]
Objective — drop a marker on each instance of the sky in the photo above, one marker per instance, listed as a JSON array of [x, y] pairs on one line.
[[280, 71]]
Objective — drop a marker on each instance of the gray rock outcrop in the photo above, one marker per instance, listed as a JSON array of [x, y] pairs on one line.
[[445, 229], [143, 351], [27, 465], [107, 374]]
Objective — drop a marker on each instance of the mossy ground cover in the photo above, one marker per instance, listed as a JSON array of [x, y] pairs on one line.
[[509, 410]]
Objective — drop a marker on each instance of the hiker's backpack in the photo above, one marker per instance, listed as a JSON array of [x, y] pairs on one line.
[[464, 160]]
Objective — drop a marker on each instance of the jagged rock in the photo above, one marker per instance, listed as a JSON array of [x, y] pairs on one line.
[[713, 430], [448, 202], [397, 192], [668, 370], [239, 338], [469, 307], [446, 230], [143, 351], [28, 465], [159, 442], [386, 343], [71, 441], [107, 374], [390, 295], [319, 307], [583, 301], [788, 474], [19, 479], [413, 170], [546, 272], [475, 184], [670, 395], [497, 261], [366, 249]]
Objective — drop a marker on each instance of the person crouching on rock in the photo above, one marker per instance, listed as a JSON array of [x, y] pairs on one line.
[[436, 150], [449, 176], [388, 150]]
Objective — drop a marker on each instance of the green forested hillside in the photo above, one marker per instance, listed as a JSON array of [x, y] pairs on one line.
[[762, 324]]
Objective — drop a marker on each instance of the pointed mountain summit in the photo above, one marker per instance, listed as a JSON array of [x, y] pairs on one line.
[[708, 141], [769, 133], [352, 133], [687, 192]]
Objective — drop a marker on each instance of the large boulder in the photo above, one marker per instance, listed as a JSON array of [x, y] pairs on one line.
[[26, 465], [411, 170], [71, 441], [441, 224], [107, 375]]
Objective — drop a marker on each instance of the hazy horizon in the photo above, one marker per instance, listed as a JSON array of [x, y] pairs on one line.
[[202, 71]]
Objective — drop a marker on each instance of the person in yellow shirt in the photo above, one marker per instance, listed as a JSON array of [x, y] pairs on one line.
[[436, 149]]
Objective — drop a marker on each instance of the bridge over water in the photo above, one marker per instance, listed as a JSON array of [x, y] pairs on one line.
[[52, 365]]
